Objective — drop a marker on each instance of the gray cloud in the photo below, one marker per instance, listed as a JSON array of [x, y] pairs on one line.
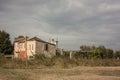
[[74, 22]]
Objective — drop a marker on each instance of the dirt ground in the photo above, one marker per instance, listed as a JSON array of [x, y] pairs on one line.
[[77, 73]]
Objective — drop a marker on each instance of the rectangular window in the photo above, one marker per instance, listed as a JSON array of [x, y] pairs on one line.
[[20, 45], [24, 45], [29, 47], [32, 47], [46, 47]]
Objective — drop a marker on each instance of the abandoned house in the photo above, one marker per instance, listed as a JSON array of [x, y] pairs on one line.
[[25, 47]]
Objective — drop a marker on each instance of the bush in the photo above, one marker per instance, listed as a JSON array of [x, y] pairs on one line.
[[40, 56], [79, 55]]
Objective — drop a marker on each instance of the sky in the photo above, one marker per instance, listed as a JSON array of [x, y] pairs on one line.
[[72, 22]]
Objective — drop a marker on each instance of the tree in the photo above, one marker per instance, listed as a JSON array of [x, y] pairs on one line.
[[85, 48], [95, 53], [117, 54], [5, 43], [102, 50], [109, 53]]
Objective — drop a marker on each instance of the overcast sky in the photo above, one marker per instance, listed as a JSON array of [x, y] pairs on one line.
[[73, 22]]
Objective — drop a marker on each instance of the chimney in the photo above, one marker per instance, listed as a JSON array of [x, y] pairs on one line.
[[57, 43]]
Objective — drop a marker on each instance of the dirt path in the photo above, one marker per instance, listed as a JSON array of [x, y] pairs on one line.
[[81, 73], [77, 73]]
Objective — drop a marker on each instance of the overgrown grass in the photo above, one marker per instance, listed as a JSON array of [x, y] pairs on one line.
[[15, 69], [12, 74], [78, 73], [56, 62]]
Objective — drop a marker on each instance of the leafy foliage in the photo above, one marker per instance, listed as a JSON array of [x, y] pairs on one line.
[[5, 43], [96, 52], [117, 54], [39, 56]]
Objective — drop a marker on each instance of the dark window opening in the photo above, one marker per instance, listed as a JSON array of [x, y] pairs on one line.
[[46, 47]]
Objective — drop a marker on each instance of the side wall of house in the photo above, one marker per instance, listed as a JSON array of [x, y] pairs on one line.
[[52, 49], [40, 48]]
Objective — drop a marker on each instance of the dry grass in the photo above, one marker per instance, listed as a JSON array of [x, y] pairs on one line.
[[76, 73], [60, 69], [57, 62]]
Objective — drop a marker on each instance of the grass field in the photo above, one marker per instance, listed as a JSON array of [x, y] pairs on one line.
[[76, 73], [60, 69]]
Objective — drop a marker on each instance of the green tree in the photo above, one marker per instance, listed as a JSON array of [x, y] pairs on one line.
[[117, 54], [102, 50], [85, 48], [5, 43], [109, 53], [95, 53]]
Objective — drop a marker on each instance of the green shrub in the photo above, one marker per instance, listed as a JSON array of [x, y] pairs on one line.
[[40, 56]]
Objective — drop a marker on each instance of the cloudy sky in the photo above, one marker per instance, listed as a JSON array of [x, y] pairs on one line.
[[73, 22]]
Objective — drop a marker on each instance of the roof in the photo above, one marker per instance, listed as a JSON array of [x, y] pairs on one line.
[[22, 39], [36, 39], [39, 40], [19, 39]]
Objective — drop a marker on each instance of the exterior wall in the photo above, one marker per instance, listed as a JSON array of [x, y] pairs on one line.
[[18, 47], [40, 48], [16, 50], [31, 48], [22, 55], [52, 49]]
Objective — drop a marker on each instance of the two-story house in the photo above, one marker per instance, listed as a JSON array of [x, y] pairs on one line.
[[25, 47]]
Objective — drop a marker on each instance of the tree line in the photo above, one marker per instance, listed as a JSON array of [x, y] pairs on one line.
[[93, 52]]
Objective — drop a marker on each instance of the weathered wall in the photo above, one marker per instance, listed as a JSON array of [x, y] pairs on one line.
[[31, 48], [40, 48], [18, 47]]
